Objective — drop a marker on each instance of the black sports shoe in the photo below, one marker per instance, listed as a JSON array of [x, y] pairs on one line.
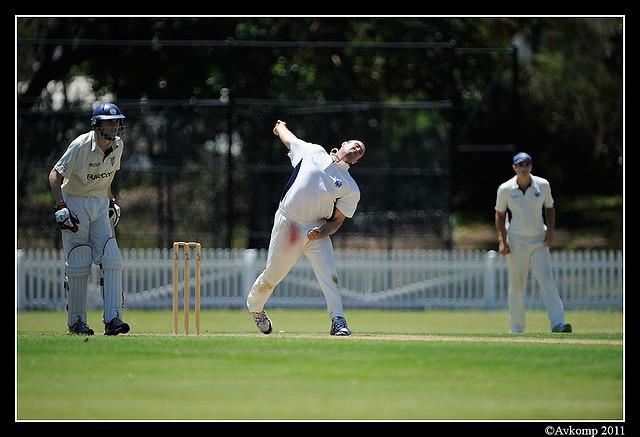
[[339, 326], [80, 327], [115, 327], [562, 328]]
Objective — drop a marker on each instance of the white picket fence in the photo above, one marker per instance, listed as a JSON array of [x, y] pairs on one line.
[[412, 279]]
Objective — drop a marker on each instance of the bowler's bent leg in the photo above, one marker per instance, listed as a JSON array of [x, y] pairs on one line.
[[285, 248]]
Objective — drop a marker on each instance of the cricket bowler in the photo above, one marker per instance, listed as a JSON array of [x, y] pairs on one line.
[[315, 202]]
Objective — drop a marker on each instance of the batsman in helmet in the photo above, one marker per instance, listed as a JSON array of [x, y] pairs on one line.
[[87, 213]]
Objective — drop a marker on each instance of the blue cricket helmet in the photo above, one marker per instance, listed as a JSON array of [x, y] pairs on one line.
[[106, 111]]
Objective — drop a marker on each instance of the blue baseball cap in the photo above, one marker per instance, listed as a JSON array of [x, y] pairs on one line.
[[521, 157]]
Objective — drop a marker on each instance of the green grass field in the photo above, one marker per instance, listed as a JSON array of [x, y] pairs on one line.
[[423, 365]]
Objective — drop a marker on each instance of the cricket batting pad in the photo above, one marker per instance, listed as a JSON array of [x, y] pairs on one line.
[[112, 266], [77, 270]]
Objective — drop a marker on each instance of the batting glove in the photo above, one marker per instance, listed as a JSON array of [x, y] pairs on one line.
[[114, 212], [66, 219]]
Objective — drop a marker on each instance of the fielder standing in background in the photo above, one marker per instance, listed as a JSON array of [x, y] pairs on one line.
[[86, 212], [318, 197], [525, 240]]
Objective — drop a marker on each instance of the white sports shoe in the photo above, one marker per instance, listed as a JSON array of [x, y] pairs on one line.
[[262, 322]]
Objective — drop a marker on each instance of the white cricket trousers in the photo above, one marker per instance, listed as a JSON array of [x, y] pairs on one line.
[[95, 227], [95, 232], [531, 254], [288, 241]]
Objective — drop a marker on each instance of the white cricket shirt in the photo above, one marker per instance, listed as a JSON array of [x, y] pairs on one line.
[[87, 171], [526, 208], [317, 184]]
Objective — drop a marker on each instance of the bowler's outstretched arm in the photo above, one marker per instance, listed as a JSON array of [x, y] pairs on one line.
[[284, 133]]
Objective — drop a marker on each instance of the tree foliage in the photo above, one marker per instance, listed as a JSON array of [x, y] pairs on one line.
[[562, 102]]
